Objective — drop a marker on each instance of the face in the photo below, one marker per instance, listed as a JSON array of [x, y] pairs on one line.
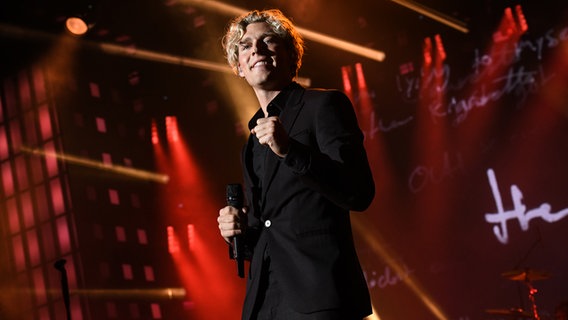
[[264, 60]]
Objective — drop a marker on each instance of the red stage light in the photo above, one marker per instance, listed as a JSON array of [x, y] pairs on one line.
[[427, 51], [521, 19], [172, 130], [360, 77], [190, 236], [345, 71], [406, 68], [173, 244], [155, 136], [440, 51]]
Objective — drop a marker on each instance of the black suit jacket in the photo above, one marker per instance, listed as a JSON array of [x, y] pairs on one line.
[[307, 197]]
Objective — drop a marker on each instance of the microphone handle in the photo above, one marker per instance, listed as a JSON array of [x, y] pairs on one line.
[[237, 254]]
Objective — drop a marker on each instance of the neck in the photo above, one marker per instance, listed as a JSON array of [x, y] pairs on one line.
[[264, 97]]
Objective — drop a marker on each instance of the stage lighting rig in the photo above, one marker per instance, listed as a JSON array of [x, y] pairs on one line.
[[81, 19]]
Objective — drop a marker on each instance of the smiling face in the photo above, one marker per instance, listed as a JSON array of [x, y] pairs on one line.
[[263, 58]]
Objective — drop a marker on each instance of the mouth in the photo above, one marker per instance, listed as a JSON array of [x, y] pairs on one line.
[[261, 63]]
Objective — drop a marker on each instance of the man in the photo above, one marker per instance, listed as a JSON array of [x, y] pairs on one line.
[[305, 168]]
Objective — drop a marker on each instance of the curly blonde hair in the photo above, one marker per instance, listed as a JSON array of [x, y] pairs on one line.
[[279, 23]]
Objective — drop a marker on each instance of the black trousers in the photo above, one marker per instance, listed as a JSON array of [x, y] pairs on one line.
[[270, 304]]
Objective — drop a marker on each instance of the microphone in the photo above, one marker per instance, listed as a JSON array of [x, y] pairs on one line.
[[60, 265], [235, 199]]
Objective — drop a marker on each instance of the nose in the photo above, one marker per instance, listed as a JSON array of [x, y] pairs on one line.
[[258, 46], [255, 48]]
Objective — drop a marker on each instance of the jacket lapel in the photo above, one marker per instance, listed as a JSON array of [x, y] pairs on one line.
[[288, 118], [252, 183]]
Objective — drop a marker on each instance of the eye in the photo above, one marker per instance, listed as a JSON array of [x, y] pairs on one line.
[[244, 46], [271, 39]]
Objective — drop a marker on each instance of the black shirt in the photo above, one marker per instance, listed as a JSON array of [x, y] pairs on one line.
[[259, 151]]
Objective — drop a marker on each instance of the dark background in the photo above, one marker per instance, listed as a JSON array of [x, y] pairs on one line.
[[424, 243]]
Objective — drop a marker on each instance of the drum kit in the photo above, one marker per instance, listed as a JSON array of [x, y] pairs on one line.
[[527, 276]]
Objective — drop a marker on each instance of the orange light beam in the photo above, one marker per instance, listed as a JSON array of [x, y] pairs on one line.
[[343, 45], [104, 293], [374, 315], [122, 170], [434, 15], [370, 238], [308, 34], [130, 52], [161, 57], [120, 50], [158, 293]]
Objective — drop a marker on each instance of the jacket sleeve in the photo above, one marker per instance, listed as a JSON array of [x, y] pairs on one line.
[[337, 166]]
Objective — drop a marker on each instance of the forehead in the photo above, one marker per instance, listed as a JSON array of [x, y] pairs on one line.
[[257, 29]]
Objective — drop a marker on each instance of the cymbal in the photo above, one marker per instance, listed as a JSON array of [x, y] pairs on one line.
[[511, 312], [525, 275]]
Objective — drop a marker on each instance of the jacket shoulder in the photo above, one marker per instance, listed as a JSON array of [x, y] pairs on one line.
[[326, 96]]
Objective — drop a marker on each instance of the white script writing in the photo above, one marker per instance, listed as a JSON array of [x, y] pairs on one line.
[[387, 278], [423, 175], [518, 212]]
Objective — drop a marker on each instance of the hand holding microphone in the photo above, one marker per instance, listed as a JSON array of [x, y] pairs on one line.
[[232, 223]]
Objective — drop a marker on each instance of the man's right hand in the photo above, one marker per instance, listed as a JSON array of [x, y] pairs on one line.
[[232, 222]]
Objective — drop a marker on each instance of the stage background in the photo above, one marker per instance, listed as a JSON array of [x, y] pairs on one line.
[[467, 135]]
